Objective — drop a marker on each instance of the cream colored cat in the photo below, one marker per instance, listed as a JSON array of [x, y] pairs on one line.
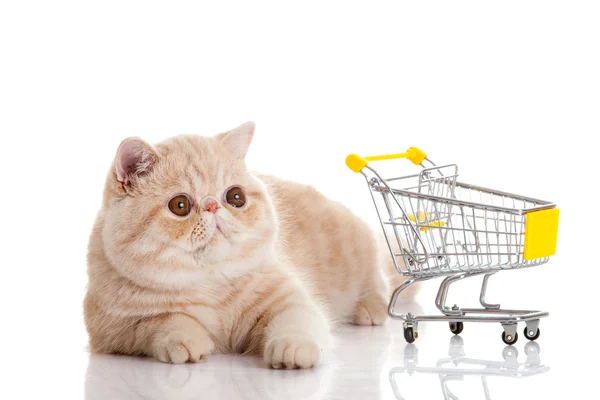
[[192, 254]]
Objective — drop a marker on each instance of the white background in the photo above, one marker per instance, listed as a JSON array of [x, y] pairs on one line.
[[510, 91]]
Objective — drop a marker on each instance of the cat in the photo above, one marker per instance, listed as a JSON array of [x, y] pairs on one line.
[[193, 254]]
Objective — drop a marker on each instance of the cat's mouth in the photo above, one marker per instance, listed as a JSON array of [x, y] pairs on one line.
[[215, 244], [219, 233], [222, 227]]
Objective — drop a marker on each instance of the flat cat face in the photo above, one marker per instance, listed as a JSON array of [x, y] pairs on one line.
[[186, 208]]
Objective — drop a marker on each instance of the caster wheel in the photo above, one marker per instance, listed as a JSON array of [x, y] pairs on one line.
[[528, 334], [512, 340], [409, 334], [456, 327]]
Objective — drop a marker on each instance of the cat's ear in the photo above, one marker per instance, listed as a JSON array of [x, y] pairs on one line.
[[237, 140], [134, 157]]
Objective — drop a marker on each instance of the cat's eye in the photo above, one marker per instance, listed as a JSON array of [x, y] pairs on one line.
[[235, 196], [180, 205]]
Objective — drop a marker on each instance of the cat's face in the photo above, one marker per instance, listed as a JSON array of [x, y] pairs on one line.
[[186, 208]]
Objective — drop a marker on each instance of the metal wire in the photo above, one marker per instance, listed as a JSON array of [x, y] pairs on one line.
[[442, 226]]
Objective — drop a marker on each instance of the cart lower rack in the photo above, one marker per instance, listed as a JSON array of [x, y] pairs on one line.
[[436, 226]]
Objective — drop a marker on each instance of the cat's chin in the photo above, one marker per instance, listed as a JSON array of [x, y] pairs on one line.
[[215, 252]]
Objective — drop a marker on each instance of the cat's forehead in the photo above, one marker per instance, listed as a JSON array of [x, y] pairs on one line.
[[190, 149], [201, 161]]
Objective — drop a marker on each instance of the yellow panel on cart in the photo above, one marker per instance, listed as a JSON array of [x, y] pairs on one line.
[[541, 232]]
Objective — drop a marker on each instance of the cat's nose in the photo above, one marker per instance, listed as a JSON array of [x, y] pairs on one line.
[[210, 204], [212, 207]]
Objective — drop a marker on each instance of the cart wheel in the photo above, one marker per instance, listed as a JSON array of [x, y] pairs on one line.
[[456, 327], [409, 334], [527, 332], [510, 342]]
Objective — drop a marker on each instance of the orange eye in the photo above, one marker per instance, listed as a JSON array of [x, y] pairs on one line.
[[235, 196], [180, 205]]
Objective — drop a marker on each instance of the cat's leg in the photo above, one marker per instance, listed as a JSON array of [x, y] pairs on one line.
[[371, 306], [297, 335], [174, 338], [177, 339]]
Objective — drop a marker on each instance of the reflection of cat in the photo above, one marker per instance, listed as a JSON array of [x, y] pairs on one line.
[[192, 254], [110, 377]]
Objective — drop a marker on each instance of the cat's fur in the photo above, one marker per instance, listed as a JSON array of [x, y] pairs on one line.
[[267, 278]]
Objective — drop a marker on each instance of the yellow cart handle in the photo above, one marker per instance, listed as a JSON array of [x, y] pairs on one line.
[[356, 163]]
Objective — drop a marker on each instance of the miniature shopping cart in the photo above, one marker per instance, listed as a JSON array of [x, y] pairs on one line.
[[436, 226]]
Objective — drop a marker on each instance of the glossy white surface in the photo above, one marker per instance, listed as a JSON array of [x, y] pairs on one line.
[[370, 363]]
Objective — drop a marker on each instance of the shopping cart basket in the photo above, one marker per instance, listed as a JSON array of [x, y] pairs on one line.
[[435, 226]]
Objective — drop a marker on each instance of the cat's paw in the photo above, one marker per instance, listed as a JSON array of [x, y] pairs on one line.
[[371, 311], [291, 352], [180, 347]]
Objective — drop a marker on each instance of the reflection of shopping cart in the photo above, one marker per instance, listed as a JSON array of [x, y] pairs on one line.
[[456, 366], [436, 226]]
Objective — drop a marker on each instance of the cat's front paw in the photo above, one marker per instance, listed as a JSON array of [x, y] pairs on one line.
[[180, 347], [291, 352], [371, 311]]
